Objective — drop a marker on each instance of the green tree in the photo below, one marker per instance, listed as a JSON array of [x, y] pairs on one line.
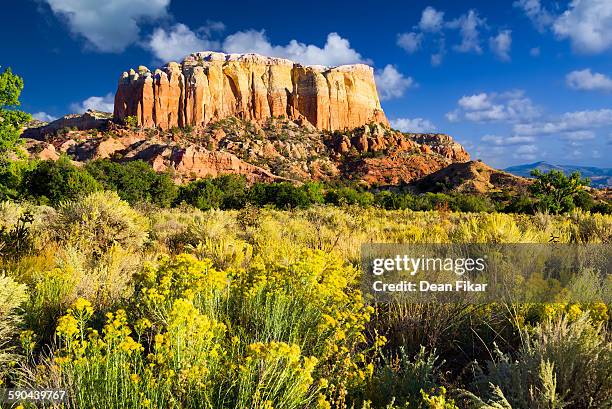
[[57, 181], [202, 193], [134, 182], [11, 119], [283, 195], [555, 192]]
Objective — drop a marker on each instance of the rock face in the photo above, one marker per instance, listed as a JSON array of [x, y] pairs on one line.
[[269, 150], [209, 86]]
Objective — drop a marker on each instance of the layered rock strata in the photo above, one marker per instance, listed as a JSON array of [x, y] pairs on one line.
[[209, 86]]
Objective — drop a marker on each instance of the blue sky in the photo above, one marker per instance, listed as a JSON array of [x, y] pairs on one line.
[[514, 81]]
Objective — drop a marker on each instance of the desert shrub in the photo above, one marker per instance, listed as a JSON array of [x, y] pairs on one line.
[[98, 221], [402, 379], [584, 200], [58, 181], [561, 362], [521, 203], [590, 228], [472, 203], [131, 121], [12, 295], [18, 240], [495, 228], [134, 182], [432, 201], [602, 207]]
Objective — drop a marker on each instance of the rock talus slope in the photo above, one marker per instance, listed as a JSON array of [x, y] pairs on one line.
[[209, 86]]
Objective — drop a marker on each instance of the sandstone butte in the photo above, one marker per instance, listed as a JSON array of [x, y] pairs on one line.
[[209, 86]]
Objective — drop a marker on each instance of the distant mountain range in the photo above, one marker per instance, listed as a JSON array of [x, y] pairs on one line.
[[600, 177]]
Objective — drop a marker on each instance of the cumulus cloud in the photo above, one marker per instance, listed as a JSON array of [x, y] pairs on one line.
[[567, 123], [179, 41], [391, 83], [578, 138], [43, 116], [415, 125], [587, 24], [468, 25], [512, 106], [410, 42], [431, 20], [433, 25], [526, 152], [587, 80], [507, 141], [538, 14], [335, 51], [109, 25], [500, 45], [104, 104]]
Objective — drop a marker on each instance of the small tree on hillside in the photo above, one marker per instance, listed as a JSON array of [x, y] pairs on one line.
[[11, 119], [555, 191]]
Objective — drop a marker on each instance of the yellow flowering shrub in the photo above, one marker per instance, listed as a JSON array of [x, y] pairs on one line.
[[266, 312], [183, 276], [275, 372]]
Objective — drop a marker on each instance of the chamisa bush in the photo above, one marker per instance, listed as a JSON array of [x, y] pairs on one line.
[[261, 308]]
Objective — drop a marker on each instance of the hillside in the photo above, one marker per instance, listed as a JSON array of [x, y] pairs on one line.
[[274, 149], [470, 177]]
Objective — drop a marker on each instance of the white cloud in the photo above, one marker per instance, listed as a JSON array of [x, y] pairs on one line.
[[43, 116], [588, 81], [587, 24], [436, 59], [577, 138], [108, 25], [178, 42], [539, 15], [212, 26], [535, 52], [391, 83], [468, 25], [335, 51], [507, 141], [104, 104], [500, 45], [410, 42], [431, 20], [583, 135], [416, 125], [526, 152], [567, 122], [512, 106], [475, 102]]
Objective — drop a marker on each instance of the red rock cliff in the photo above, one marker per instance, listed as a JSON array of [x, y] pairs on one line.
[[209, 86]]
